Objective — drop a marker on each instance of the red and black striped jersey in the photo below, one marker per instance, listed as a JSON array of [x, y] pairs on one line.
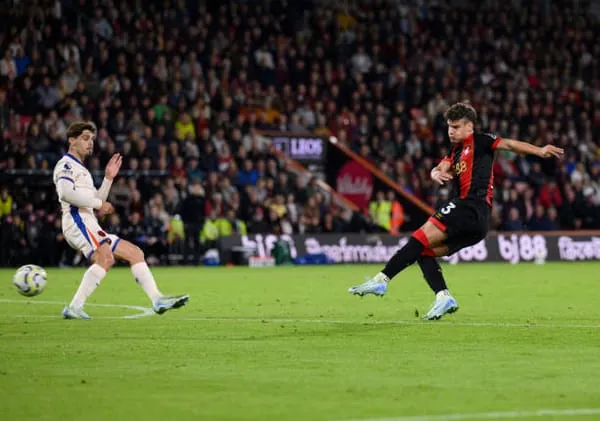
[[472, 163]]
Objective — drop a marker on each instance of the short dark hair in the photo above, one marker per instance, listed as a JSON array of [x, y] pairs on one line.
[[461, 110], [75, 129]]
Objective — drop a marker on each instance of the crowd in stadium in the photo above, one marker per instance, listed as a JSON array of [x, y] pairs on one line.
[[183, 92]]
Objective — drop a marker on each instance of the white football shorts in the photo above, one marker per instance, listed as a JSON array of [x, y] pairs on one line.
[[83, 233]]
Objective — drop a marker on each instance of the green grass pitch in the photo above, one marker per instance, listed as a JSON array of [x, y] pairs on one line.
[[291, 344]]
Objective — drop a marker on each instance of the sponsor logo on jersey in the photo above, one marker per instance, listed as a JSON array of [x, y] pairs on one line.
[[67, 169]]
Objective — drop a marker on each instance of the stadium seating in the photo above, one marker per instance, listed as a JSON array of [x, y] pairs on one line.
[[186, 93]]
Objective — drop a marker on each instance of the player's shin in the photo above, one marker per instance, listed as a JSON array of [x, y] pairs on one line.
[[143, 276], [432, 272], [407, 255], [91, 279]]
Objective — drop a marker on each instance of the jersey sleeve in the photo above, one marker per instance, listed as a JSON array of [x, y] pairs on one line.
[[64, 171], [65, 177], [449, 158], [489, 141], [82, 198], [104, 189]]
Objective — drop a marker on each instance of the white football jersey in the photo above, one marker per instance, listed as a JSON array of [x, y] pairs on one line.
[[73, 170]]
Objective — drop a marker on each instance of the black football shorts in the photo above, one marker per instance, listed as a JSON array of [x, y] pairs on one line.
[[465, 221]]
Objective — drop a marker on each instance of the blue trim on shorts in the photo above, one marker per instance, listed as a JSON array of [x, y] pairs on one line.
[[91, 253], [67, 178], [79, 222], [114, 246]]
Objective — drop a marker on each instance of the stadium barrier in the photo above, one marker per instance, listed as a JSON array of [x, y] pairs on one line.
[[567, 246], [352, 177], [359, 180]]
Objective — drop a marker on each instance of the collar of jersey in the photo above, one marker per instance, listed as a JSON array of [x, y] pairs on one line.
[[74, 159], [467, 139]]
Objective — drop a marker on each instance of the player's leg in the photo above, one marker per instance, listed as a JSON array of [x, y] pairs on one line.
[[124, 250], [132, 254], [84, 235], [102, 260], [470, 232], [429, 236], [431, 269], [432, 272]]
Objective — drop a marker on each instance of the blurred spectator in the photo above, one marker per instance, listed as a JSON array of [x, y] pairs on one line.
[[15, 241], [120, 196], [331, 224], [541, 221], [210, 231], [192, 214], [155, 240], [514, 223], [231, 224], [248, 176], [380, 211], [550, 195], [257, 223], [54, 241], [310, 220], [6, 203]]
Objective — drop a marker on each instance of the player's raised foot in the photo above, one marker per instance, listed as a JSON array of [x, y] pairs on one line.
[[443, 304], [372, 286], [167, 303], [72, 313]]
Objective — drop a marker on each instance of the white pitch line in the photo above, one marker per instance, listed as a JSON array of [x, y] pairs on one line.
[[144, 311], [493, 415], [388, 322], [59, 317]]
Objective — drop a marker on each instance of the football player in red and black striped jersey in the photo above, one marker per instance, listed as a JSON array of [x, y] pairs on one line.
[[464, 219]]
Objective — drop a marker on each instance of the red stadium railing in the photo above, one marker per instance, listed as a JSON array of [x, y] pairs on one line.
[[341, 200], [379, 174]]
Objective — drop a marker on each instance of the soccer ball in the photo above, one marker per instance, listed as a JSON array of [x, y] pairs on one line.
[[30, 280]]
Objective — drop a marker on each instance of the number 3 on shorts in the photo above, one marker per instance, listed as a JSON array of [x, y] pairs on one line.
[[446, 210]]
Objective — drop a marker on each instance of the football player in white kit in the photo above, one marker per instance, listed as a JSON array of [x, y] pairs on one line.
[[78, 198]]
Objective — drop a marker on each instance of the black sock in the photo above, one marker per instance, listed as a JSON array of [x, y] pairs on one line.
[[403, 258], [433, 273]]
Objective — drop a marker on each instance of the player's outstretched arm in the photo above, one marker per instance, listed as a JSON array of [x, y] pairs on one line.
[[82, 198], [442, 172], [104, 190], [548, 151], [112, 169]]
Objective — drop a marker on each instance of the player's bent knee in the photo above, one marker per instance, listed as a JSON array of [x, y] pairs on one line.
[[138, 255], [134, 255], [440, 251], [129, 252], [434, 234]]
